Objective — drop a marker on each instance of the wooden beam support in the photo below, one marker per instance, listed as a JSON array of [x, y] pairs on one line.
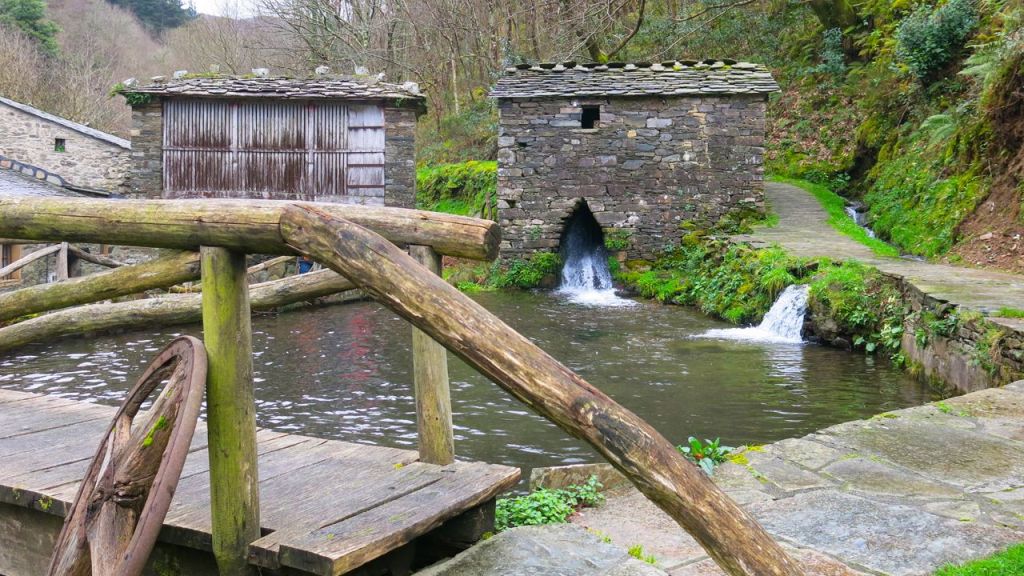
[[244, 225], [165, 310], [231, 409], [730, 534], [97, 259], [430, 380], [158, 273], [63, 266]]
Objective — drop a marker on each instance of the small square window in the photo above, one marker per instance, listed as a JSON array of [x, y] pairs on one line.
[[590, 117], [59, 145]]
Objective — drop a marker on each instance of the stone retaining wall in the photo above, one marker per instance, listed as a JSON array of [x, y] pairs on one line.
[[649, 165]]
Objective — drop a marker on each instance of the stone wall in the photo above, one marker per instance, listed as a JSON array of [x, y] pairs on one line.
[[399, 157], [86, 161], [649, 165], [145, 180]]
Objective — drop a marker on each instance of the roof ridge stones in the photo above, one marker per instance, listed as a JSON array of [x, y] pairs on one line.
[[675, 77], [321, 87]]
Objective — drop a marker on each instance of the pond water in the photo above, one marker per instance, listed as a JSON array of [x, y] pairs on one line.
[[344, 372]]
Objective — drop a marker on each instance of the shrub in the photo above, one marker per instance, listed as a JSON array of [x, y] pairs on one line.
[[832, 60], [468, 188], [929, 38], [527, 273]]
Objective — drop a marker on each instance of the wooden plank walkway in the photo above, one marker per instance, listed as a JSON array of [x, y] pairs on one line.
[[327, 507]]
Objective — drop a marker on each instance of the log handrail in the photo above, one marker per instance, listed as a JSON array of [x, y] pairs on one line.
[[249, 226], [28, 259]]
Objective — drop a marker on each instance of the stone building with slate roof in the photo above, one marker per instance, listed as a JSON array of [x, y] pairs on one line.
[[643, 147], [331, 139]]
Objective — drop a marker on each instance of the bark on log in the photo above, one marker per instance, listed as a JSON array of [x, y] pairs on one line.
[[729, 534], [165, 310], [269, 264], [250, 226], [231, 410], [28, 259], [159, 273], [430, 383]]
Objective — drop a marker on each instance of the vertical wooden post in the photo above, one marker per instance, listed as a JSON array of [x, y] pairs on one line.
[[433, 398], [62, 262], [231, 409]]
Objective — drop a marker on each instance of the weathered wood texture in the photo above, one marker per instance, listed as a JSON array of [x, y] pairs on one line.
[[379, 498], [122, 501], [328, 151], [97, 259], [250, 226], [63, 264], [231, 409], [430, 382], [729, 534], [165, 310], [269, 264], [158, 273], [28, 259]]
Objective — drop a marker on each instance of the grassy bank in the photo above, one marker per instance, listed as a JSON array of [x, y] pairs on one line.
[[467, 188]]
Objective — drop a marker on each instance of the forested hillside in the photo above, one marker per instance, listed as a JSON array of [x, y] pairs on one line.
[[913, 106]]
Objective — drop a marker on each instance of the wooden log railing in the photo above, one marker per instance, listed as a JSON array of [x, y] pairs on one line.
[[359, 244]]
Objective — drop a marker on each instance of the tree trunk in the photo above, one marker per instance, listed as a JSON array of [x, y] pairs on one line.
[[164, 311], [158, 273], [249, 226], [729, 534]]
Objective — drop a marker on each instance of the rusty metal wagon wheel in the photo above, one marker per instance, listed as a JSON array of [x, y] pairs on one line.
[[121, 504]]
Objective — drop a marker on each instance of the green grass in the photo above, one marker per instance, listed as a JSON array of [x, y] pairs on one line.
[[1009, 313], [837, 216], [1006, 563]]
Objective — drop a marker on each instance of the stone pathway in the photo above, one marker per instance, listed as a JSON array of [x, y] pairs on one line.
[[803, 230], [902, 493]]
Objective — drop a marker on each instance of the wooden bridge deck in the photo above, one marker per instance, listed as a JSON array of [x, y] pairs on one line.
[[327, 507]]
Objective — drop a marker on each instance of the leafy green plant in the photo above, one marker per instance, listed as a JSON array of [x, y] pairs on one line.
[[546, 506], [832, 59], [637, 551], [538, 507], [707, 455], [929, 38], [131, 98], [617, 239], [526, 273]]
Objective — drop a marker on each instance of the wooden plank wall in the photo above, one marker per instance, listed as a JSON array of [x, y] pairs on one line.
[[274, 149]]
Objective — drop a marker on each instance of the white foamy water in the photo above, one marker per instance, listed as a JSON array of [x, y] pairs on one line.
[[781, 325], [586, 280], [859, 220]]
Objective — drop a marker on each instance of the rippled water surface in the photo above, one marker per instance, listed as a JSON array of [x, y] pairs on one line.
[[345, 372]]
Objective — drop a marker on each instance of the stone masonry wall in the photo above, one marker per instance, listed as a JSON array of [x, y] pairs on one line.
[[86, 161], [145, 180], [649, 165], [399, 157]]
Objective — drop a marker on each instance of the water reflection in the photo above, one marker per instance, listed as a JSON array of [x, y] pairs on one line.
[[345, 372]]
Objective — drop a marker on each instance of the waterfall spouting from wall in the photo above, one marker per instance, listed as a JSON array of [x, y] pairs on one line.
[[781, 325], [585, 275]]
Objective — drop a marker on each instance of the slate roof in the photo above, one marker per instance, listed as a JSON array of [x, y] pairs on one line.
[[284, 88], [676, 78], [82, 128], [14, 183]]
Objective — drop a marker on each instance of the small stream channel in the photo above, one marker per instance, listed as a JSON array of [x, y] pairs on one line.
[[344, 372]]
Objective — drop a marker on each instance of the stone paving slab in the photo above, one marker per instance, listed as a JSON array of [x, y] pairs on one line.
[[803, 230], [902, 493]]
